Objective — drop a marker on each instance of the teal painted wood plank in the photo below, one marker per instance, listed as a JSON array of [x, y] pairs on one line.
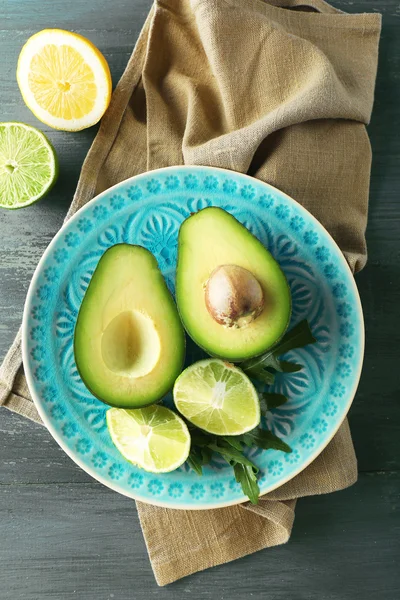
[[61, 542], [64, 536]]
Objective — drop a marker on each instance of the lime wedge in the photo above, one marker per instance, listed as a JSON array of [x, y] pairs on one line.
[[153, 438], [28, 165], [217, 397]]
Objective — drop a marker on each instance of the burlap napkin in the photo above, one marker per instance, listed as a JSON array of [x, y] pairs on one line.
[[281, 90]]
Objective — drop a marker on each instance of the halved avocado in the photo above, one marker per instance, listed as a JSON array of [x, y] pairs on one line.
[[219, 258], [129, 342]]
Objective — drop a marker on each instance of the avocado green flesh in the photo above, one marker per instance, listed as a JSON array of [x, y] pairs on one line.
[[129, 342], [208, 239]]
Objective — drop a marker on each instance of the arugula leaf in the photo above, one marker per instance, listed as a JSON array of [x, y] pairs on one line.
[[269, 401], [271, 361], [230, 448], [198, 457], [260, 374], [297, 337], [200, 438], [206, 455], [231, 455], [247, 478], [282, 366], [262, 438], [233, 441], [195, 463], [289, 367]]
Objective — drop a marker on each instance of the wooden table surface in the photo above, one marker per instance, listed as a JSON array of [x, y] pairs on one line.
[[65, 536]]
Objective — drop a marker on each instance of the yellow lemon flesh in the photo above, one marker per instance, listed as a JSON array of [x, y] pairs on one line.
[[64, 79]]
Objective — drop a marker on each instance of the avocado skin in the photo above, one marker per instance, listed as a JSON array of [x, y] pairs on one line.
[[175, 364], [213, 237]]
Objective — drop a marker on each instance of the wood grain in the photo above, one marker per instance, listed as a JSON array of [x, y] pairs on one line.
[[64, 536], [84, 541]]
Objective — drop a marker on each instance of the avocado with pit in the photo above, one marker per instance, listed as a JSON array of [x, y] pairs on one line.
[[232, 295], [129, 342]]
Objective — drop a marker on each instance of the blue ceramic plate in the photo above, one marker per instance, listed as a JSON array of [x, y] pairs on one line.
[[148, 210]]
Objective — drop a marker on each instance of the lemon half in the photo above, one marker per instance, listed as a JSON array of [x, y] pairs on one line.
[[64, 79]]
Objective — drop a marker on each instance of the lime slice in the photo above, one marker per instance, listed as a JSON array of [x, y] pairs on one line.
[[153, 438], [28, 165], [217, 397]]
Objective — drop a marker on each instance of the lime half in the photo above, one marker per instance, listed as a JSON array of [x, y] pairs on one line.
[[217, 397], [28, 165], [153, 438]]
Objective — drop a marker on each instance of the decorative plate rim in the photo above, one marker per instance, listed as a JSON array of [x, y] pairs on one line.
[[134, 494]]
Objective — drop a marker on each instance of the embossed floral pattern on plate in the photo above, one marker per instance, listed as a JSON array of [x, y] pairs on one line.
[[149, 210]]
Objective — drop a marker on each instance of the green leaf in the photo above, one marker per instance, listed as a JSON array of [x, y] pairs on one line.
[[233, 441], [260, 374], [298, 337], [200, 438], [282, 366], [289, 367], [270, 401], [265, 376], [246, 476], [198, 457], [231, 455], [262, 438], [272, 362], [195, 463], [254, 365], [206, 455]]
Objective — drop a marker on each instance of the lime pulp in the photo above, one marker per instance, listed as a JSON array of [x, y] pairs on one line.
[[217, 397], [28, 165], [153, 438]]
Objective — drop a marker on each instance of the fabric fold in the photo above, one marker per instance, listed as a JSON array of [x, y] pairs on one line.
[[212, 537], [281, 89]]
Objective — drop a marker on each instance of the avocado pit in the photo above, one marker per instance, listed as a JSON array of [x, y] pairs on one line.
[[233, 296]]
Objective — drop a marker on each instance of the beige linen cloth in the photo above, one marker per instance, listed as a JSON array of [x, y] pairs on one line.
[[281, 90]]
